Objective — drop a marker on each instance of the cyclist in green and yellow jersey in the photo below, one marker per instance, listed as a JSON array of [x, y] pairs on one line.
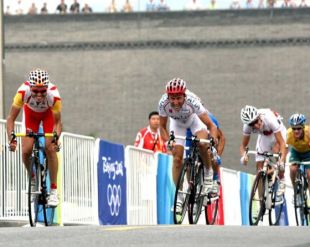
[[298, 139]]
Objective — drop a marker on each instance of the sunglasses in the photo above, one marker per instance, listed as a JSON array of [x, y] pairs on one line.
[[253, 123], [297, 128], [35, 91]]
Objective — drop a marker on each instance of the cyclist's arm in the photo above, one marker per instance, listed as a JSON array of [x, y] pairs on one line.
[[308, 135], [282, 145], [10, 121], [163, 128], [244, 143], [57, 123], [222, 141], [211, 126]]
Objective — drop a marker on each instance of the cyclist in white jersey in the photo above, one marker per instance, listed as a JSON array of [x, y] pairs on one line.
[[216, 161], [184, 111], [271, 137]]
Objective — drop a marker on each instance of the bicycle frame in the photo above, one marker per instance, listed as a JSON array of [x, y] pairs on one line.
[[37, 199], [192, 172], [266, 185]]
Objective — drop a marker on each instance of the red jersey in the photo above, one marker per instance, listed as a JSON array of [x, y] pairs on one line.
[[149, 140]]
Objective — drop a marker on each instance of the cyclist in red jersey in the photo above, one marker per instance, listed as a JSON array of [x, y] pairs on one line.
[[41, 102], [149, 137]]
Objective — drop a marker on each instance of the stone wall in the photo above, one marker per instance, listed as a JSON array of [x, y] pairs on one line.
[[111, 68]]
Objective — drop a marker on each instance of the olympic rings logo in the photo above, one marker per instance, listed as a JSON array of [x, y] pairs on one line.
[[114, 196]]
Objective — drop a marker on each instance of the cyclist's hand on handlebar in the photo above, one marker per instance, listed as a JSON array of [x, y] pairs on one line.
[[55, 146], [13, 143], [170, 144], [244, 159], [215, 141], [55, 143], [281, 166]]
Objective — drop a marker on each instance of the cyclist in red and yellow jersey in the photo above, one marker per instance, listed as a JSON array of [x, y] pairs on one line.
[[298, 139], [41, 102]]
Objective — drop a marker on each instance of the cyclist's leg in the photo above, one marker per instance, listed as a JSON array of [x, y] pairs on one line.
[[294, 157], [205, 154], [31, 123], [281, 167], [177, 153], [48, 127], [200, 130], [178, 149], [52, 160], [27, 145], [216, 177]]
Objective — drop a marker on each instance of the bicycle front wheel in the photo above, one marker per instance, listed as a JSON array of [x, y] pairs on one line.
[[300, 202], [34, 177], [257, 204], [182, 193], [196, 197], [276, 205], [48, 212]]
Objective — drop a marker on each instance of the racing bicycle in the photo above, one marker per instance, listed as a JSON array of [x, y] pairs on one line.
[[301, 194], [38, 191], [264, 191], [190, 183]]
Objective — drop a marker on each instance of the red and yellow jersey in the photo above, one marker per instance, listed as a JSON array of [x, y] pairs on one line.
[[52, 100], [302, 145], [149, 140]]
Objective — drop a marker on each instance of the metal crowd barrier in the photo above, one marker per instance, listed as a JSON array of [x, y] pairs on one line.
[[141, 169], [77, 182], [79, 179], [13, 184]]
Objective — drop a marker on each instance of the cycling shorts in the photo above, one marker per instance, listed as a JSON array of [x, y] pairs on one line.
[[194, 124], [33, 119], [298, 157]]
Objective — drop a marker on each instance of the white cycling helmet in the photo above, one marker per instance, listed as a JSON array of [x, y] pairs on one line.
[[248, 114], [38, 78]]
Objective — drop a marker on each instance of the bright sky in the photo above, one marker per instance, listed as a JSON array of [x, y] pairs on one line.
[[138, 5]]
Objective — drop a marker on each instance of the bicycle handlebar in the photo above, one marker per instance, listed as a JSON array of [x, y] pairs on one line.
[[32, 134], [192, 138], [301, 162], [266, 154]]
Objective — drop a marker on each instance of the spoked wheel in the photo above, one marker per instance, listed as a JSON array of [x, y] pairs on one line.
[[257, 205], [182, 194], [33, 193], [276, 205], [196, 197], [211, 209], [306, 205], [48, 212], [300, 202]]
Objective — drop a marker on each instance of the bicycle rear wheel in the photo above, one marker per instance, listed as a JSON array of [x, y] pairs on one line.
[[182, 193], [300, 202], [211, 210], [196, 197], [257, 204], [277, 205], [33, 192]]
